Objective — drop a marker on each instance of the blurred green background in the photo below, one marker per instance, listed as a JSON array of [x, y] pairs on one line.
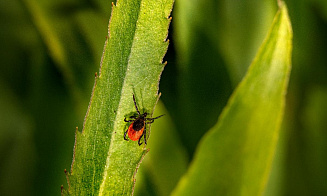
[[50, 51]]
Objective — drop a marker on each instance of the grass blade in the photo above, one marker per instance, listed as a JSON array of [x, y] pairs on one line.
[[105, 164], [234, 157]]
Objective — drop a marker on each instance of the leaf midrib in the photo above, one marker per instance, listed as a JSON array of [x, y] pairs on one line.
[[102, 186]]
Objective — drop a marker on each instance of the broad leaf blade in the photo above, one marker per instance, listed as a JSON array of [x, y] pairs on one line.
[[104, 163], [235, 157]]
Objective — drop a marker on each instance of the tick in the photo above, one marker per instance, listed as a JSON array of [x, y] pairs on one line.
[[137, 129]]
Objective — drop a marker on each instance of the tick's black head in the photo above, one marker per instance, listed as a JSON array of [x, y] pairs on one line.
[[138, 124]]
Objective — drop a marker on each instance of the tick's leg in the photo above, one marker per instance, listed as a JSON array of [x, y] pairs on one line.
[[132, 119], [136, 105], [125, 135], [139, 142], [157, 117], [151, 120], [144, 135]]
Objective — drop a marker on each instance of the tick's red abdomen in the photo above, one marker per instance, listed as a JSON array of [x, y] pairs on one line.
[[134, 135]]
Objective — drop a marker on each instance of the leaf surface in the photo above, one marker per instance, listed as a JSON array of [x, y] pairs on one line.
[[104, 163]]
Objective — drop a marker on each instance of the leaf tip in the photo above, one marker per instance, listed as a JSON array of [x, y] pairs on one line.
[[280, 3]]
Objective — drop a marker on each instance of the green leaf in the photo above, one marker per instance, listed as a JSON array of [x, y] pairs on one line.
[[234, 157], [104, 163]]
